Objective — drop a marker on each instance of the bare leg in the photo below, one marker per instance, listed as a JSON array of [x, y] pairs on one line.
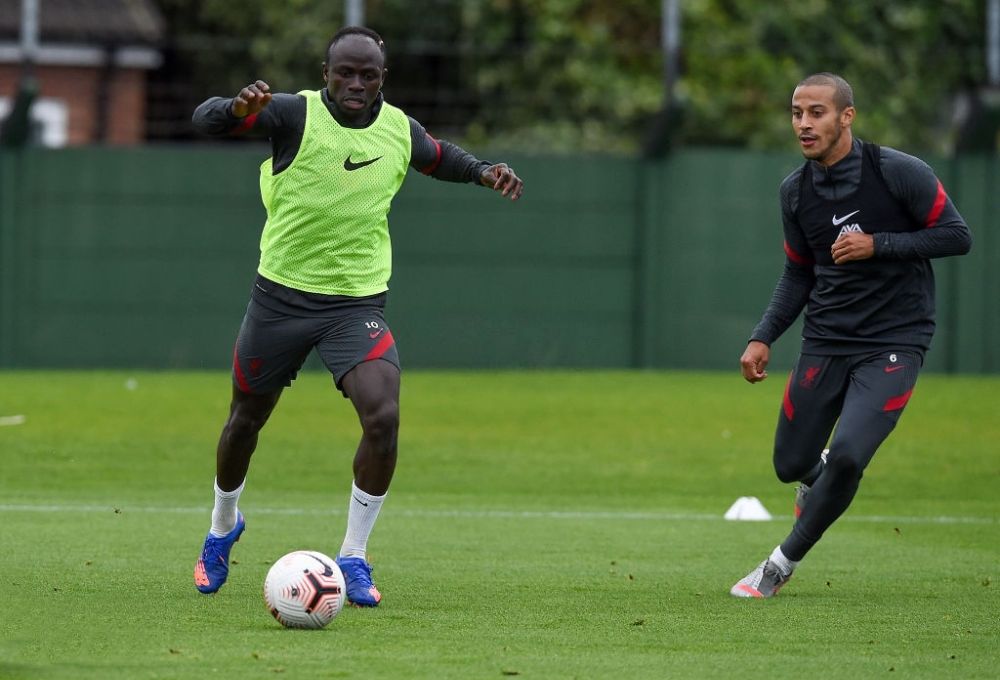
[[373, 388], [247, 415]]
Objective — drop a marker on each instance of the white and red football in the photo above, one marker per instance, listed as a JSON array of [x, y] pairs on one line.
[[304, 589]]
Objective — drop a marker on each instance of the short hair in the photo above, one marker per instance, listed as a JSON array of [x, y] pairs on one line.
[[843, 95], [356, 30]]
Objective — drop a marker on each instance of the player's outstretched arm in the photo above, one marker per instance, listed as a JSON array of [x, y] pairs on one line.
[[251, 99], [500, 177]]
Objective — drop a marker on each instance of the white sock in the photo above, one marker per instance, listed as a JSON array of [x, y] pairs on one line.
[[779, 560], [224, 512], [361, 516]]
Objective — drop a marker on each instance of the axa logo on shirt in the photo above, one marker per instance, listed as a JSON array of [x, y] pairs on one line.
[[847, 228]]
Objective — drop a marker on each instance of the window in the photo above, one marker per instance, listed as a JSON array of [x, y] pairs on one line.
[[50, 118]]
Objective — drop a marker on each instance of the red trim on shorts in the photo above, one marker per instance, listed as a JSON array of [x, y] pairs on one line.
[[381, 348], [796, 258], [241, 380], [437, 160], [899, 402], [245, 124], [939, 201], [786, 402]]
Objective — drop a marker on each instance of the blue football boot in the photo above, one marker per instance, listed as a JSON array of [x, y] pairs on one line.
[[212, 568], [361, 592]]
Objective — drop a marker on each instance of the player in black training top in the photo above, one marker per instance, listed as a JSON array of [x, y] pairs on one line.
[[861, 224]]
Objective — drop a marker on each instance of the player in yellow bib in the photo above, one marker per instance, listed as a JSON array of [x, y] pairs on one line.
[[339, 156]]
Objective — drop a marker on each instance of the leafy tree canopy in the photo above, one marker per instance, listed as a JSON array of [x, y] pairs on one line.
[[587, 75]]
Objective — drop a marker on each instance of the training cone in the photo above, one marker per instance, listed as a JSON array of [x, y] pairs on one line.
[[748, 509]]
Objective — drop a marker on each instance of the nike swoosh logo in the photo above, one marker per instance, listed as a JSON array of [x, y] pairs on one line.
[[837, 221], [893, 369], [375, 334], [351, 165], [327, 569], [360, 501]]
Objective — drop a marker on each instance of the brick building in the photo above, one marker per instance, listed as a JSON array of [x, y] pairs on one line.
[[90, 67]]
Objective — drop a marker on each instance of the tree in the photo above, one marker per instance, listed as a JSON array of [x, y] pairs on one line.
[[586, 75], [906, 62]]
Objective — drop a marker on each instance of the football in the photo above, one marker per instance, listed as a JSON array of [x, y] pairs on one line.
[[304, 589]]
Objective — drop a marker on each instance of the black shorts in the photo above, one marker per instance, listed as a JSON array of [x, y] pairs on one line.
[[282, 325]]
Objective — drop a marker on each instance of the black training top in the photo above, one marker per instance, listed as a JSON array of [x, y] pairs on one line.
[[872, 304], [284, 120]]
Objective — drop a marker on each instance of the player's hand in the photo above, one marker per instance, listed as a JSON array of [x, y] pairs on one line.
[[754, 361], [853, 246], [501, 178], [251, 99]]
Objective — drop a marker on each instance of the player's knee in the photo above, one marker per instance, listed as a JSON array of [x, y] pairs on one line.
[[244, 424], [788, 466], [381, 424], [242, 428], [787, 472], [843, 464]]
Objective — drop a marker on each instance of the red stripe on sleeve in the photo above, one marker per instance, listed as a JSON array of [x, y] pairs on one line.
[[897, 403], [437, 160], [245, 124], [796, 258], [241, 379], [381, 348], [939, 201], [786, 402]]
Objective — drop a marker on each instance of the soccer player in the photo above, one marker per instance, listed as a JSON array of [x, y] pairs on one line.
[[861, 224], [338, 157]]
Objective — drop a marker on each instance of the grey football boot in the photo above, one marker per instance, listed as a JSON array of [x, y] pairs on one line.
[[764, 581]]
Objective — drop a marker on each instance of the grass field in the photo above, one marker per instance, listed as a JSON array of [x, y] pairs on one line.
[[541, 525]]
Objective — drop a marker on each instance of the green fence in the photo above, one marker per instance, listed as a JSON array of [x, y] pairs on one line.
[[144, 258]]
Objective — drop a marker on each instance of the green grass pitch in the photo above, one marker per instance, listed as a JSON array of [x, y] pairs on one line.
[[541, 525]]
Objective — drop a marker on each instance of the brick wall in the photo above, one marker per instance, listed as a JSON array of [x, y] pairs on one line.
[[79, 88]]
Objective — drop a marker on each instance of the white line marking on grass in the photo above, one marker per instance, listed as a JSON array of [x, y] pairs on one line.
[[12, 420], [488, 514]]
